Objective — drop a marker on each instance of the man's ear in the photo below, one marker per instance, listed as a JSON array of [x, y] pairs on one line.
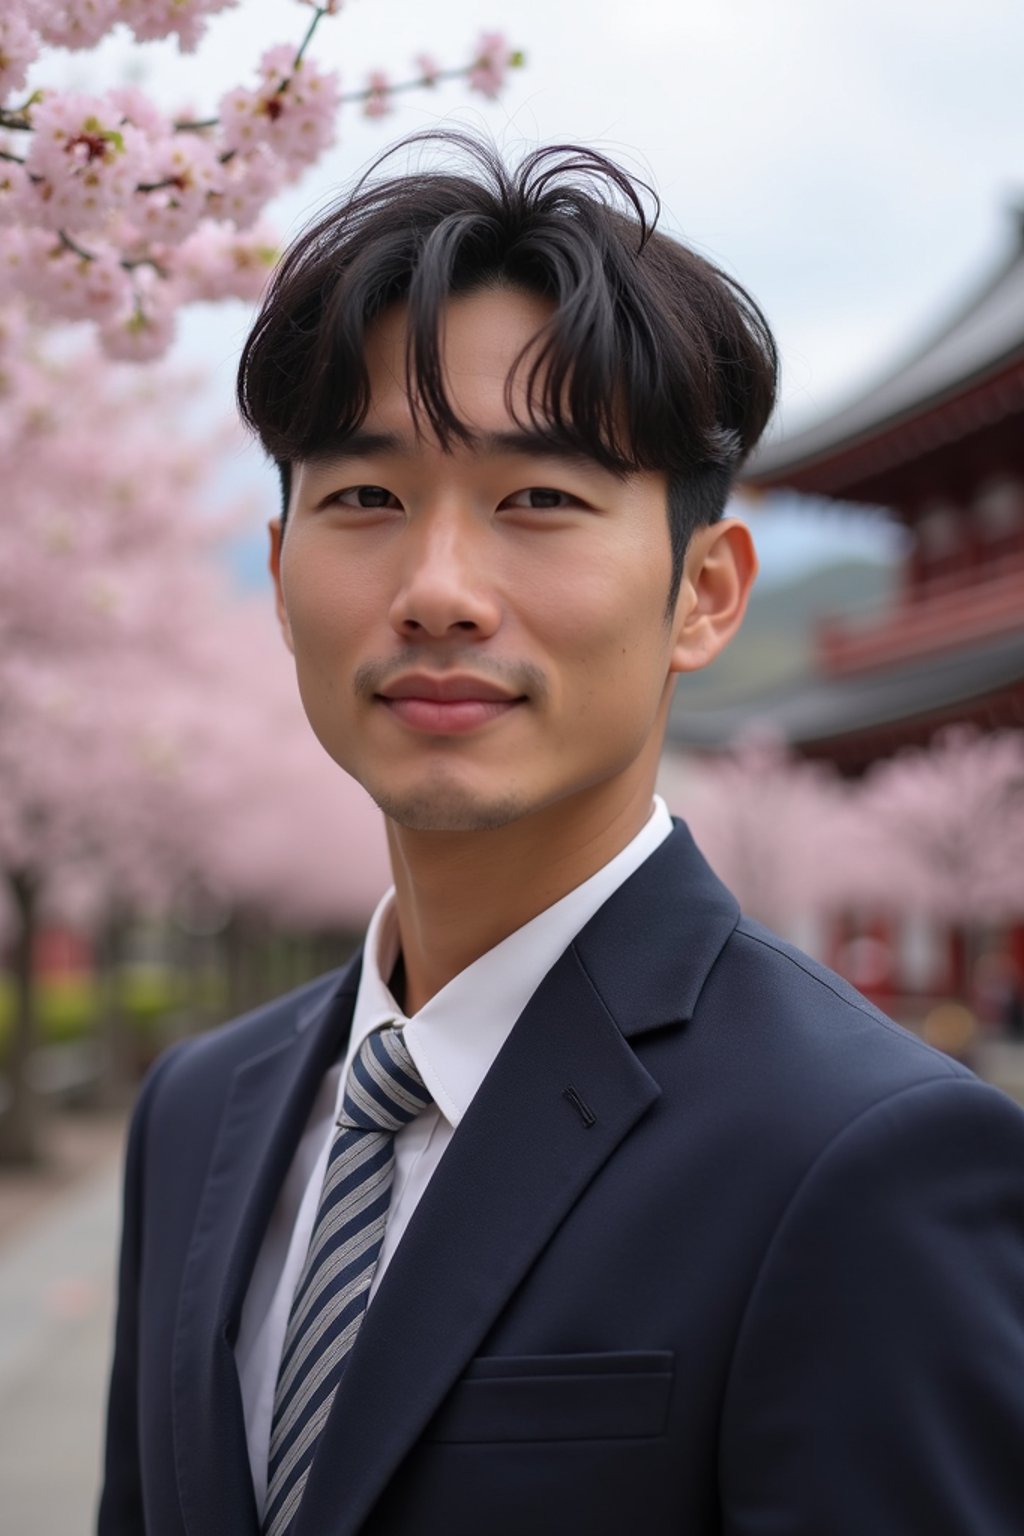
[[718, 574], [276, 531]]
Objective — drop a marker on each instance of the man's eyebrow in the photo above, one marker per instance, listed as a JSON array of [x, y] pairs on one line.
[[522, 443], [357, 445], [535, 445]]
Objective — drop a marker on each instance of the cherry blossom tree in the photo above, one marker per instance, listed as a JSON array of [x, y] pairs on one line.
[[943, 830], [150, 727], [933, 836], [768, 823], [114, 211], [940, 834], [152, 734], [100, 574]]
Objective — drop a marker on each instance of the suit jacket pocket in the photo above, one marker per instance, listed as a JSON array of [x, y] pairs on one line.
[[617, 1396]]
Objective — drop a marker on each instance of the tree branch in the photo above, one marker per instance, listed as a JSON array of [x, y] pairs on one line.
[[423, 81], [129, 263], [72, 245], [318, 15]]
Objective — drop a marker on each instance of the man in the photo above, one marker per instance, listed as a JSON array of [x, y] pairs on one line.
[[578, 1202]]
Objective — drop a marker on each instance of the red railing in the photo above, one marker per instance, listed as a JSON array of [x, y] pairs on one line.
[[946, 612]]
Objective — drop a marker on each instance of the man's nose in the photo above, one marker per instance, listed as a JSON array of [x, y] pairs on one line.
[[445, 584]]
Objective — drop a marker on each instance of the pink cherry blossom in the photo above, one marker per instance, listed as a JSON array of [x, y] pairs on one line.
[[152, 742], [378, 102], [185, 171], [943, 830], [22, 251], [292, 111], [74, 23], [762, 818], [143, 328], [247, 183], [933, 836], [68, 286], [186, 19], [219, 262], [18, 47], [493, 60], [106, 180], [85, 160], [429, 68], [152, 725], [135, 107], [15, 192]]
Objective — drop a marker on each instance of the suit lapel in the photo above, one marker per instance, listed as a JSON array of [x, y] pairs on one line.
[[649, 950], [264, 1116], [521, 1158]]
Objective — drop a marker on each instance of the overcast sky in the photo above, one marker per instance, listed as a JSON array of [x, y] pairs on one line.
[[852, 162]]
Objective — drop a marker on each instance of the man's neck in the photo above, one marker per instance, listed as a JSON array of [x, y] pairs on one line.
[[457, 895]]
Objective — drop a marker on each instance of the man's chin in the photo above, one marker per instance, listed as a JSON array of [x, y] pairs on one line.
[[449, 809]]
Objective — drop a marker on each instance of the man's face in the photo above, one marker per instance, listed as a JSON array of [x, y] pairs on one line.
[[480, 634]]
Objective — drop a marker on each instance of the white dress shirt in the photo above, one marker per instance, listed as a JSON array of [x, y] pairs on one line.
[[453, 1040]]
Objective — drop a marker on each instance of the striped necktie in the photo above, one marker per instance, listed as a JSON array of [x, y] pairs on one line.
[[384, 1091]]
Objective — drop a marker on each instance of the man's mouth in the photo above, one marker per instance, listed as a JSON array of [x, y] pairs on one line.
[[446, 705]]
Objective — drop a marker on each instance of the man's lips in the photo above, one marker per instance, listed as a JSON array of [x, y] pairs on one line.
[[449, 688], [446, 705]]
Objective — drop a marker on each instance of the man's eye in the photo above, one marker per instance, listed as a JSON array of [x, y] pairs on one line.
[[365, 496], [539, 497]]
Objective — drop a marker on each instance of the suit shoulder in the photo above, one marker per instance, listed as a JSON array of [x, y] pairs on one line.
[[802, 1028], [809, 983]]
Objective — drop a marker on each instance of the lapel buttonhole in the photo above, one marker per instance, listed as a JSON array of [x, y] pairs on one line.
[[584, 1111]]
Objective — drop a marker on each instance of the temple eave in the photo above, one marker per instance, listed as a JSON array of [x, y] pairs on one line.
[[851, 468]]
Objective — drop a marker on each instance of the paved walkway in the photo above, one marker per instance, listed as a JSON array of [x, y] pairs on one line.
[[56, 1313]]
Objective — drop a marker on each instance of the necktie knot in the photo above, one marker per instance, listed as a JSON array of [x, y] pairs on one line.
[[384, 1090]]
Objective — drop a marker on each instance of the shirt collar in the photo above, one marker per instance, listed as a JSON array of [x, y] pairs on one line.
[[455, 1038]]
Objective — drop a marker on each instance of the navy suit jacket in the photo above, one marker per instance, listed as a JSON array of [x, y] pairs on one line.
[[717, 1249]]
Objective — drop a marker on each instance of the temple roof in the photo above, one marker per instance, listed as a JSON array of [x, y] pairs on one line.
[[820, 709], [979, 341]]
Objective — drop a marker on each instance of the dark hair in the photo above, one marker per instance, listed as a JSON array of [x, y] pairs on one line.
[[653, 358]]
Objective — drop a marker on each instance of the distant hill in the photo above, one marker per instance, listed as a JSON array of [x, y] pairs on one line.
[[776, 643]]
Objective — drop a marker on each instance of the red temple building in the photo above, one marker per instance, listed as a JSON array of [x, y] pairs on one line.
[[939, 442]]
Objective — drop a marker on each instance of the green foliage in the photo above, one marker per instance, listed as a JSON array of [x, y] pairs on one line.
[[67, 1008], [70, 1007]]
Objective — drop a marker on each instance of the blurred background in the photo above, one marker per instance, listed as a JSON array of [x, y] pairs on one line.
[[174, 845]]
